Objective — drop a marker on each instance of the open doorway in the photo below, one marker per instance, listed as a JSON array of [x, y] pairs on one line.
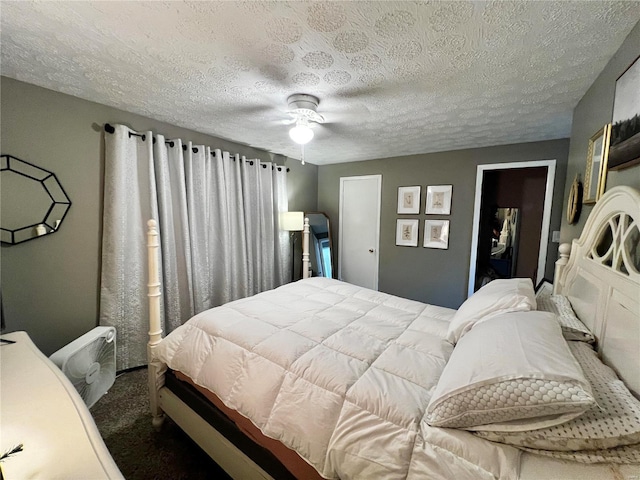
[[512, 213]]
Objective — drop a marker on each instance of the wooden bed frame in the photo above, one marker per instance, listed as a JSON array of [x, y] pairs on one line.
[[164, 402], [602, 282]]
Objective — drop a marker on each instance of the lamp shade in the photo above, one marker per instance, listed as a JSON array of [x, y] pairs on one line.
[[301, 133], [292, 221]]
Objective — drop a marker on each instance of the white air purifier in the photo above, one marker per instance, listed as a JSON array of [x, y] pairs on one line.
[[90, 363]]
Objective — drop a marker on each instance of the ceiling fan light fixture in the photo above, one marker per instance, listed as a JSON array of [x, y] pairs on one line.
[[301, 133]]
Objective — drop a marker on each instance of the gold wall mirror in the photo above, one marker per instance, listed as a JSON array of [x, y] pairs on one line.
[[595, 177], [575, 201]]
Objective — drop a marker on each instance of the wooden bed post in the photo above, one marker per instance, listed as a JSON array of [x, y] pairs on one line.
[[563, 250], [156, 368], [305, 249]]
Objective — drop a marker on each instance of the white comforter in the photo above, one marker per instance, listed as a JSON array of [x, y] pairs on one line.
[[342, 375]]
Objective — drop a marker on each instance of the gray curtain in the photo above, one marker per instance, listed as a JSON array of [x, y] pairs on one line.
[[218, 218]]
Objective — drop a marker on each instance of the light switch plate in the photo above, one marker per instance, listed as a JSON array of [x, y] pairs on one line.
[[555, 237]]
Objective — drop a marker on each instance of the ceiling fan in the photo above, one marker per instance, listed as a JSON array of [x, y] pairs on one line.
[[303, 110]]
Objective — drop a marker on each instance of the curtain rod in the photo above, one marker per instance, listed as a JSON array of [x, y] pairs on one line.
[[111, 129]]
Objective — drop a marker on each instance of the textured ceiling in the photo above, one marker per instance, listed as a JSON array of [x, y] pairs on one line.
[[393, 78]]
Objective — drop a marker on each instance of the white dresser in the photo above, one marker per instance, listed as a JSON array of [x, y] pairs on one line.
[[41, 409]]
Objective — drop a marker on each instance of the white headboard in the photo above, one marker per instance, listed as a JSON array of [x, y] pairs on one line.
[[602, 280]]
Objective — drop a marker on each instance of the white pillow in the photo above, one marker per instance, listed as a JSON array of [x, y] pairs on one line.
[[496, 297], [512, 372], [614, 422]]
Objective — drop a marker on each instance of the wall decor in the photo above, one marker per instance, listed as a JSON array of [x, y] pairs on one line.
[[409, 199], [407, 232], [33, 201], [436, 234], [438, 199], [574, 201], [595, 177], [624, 150]]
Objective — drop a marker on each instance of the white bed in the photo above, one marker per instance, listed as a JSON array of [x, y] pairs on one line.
[[361, 414]]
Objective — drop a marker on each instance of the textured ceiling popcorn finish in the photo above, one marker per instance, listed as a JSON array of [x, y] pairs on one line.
[[393, 78]]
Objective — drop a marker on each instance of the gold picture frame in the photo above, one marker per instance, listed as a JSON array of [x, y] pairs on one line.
[[595, 177]]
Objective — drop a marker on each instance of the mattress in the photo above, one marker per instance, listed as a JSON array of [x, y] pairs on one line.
[[340, 374], [272, 456]]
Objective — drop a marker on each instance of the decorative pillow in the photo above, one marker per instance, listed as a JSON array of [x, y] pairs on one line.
[[496, 297], [509, 368], [615, 423], [572, 327]]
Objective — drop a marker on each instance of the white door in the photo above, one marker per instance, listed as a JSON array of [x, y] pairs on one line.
[[359, 235]]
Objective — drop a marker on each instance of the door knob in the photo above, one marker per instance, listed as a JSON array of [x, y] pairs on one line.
[[371, 250]]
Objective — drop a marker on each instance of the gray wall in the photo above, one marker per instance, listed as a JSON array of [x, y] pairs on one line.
[[441, 276], [430, 275], [593, 111], [50, 285]]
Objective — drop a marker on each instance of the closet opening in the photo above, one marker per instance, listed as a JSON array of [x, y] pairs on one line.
[[511, 222]]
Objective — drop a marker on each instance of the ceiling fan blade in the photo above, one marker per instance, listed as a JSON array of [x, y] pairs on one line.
[[339, 110], [275, 121], [236, 109], [253, 109], [329, 129], [345, 116], [361, 93]]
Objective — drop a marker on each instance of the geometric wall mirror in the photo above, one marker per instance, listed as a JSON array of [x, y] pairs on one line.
[[32, 201]]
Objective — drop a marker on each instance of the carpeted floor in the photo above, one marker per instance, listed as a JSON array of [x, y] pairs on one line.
[[142, 453]]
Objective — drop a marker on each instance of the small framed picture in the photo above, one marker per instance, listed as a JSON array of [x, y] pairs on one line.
[[436, 234], [409, 200], [407, 232], [438, 199]]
